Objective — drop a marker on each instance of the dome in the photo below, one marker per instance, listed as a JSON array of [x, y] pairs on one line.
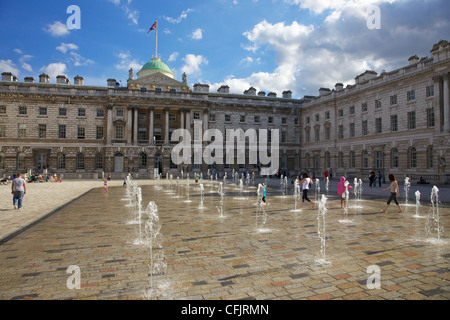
[[154, 66]]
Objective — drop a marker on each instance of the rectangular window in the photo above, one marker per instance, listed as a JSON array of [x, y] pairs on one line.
[[430, 91], [340, 112], [430, 117], [22, 130], [327, 133], [307, 120], [100, 113], [411, 120], [157, 116], [365, 129], [2, 109], [341, 132], [81, 132], [99, 133], [143, 116], [327, 115], [256, 119], [317, 135], [62, 131], [394, 123], [378, 125], [42, 111], [172, 117], [2, 131], [42, 129], [119, 113], [364, 107], [393, 100], [283, 121], [22, 110], [62, 112], [242, 119], [352, 110], [270, 120], [119, 132], [81, 112], [411, 95], [378, 104], [352, 130], [142, 133], [212, 116], [196, 116], [317, 117], [227, 118]]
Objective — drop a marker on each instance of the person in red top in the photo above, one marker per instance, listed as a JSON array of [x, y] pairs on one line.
[[325, 174]]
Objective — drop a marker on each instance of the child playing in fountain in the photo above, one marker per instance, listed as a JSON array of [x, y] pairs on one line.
[[305, 183], [341, 190], [394, 191], [264, 194]]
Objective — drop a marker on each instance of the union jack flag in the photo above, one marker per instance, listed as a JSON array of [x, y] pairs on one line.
[[153, 27]]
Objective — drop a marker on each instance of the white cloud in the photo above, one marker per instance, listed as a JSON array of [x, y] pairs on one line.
[[127, 62], [78, 60], [64, 47], [57, 29], [197, 34], [8, 66], [182, 16], [54, 69], [18, 51], [192, 64], [27, 67], [173, 56]]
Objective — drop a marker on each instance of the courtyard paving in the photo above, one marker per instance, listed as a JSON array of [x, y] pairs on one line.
[[77, 223]]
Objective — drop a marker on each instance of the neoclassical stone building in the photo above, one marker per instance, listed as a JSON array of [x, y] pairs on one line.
[[397, 122]]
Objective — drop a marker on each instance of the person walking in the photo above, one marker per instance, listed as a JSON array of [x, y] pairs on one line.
[[394, 191], [18, 190], [380, 177], [341, 190], [305, 183]]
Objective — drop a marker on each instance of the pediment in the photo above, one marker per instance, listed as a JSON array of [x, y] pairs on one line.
[[159, 80]]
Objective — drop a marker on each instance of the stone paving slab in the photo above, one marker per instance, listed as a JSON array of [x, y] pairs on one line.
[[209, 257]]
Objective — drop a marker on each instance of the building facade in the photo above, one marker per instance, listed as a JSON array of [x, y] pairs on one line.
[[396, 122]]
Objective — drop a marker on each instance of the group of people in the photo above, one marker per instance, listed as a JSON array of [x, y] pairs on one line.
[[373, 179]]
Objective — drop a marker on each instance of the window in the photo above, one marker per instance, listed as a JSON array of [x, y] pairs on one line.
[[242, 118], [196, 115], [378, 104], [61, 161], [172, 117], [256, 119], [340, 159], [411, 95], [2, 161], [62, 131], [352, 110], [365, 159], [99, 133], [62, 112], [157, 134], [327, 115], [142, 133], [430, 91], [412, 155], [22, 110], [270, 120], [42, 131], [142, 160], [283, 120], [212, 117], [307, 120], [98, 161], [327, 133], [308, 160], [307, 135], [227, 118], [378, 159], [42, 111], [22, 130], [365, 130], [340, 112], [119, 113], [393, 100], [411, 120], [341, 132], [394, 123], [352, 160], [317, 134], [316, 116], [81, 132], [2, 109], [352, 130], [430, 117], [80, 161], [81, 112], [100, 113], [2, 131], [296, 121], [157, 116], [379, 125], [364, 107], [430, 158], [119, 132], [394, 158], [21, 161], [283, 137], [327, 160]]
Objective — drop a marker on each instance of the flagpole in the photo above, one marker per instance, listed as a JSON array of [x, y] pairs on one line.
[[156, 46]]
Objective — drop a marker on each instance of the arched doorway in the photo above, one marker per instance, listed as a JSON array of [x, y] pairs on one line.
[[158, 164], [118, 162]]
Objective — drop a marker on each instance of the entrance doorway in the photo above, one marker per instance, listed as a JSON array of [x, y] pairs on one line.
[[158, 163], [118, 162], [41, 162]]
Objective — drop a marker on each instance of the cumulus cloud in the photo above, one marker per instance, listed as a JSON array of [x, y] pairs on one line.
[[180, 18], [127, 62], [57, 29], [192, 64], [197, 34], [64, 47], [54, 69], [173, 56], [8, 66]]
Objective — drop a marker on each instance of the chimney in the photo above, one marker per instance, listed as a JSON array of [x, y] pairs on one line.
[[111, 83], [79, 80], [287, 94], [61, 79], [250, 92], [272, 94], [414, 59], [339, 86], [44, 78], [7, 76], [224, 89], [201, 87], [261, 94], [324, 91], [29, 79]]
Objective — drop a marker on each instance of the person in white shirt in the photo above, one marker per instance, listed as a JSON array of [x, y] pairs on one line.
[[18, 190], [305, 183]]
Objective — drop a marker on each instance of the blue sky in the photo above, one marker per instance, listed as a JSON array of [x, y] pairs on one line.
[[272, 45]]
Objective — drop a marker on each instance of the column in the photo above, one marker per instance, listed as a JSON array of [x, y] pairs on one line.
[[135, 125], [166, 131], [151, 125], [182, 118], [129, 124], [446, 104], [188, 121], [109, 128], [205, 120]]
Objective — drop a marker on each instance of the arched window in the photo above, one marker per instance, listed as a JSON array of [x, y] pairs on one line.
[[340, 159], [2, 161], [352, 160], [365, 159], [98, 161], [80, 161], [327, 160], [142, 160], [394, 158], [61, 161], [21, 161], [307, 160], [412, 157]]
